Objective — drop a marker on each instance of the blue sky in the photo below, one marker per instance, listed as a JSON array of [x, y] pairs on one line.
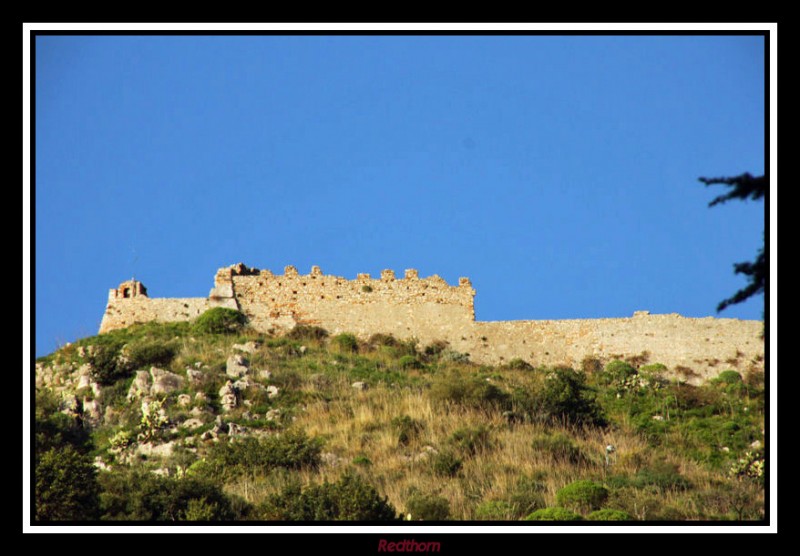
[[558, 173]]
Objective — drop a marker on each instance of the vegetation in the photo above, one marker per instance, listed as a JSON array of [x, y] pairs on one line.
[[219, 320], [433, 435]]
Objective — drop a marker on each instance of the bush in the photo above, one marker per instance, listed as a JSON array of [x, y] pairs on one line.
[[304, 332], [471, 440], [446, 464], [519, 365], [143, 496], [407, 429], [591, 365], [290, 450], [553, 514], [65, 485], [582, 495], [383, 340], [560, 447], [609, 515], [350, 499], [663, 475], [427, 507], [435, 349], [495, 510], [472, 392], [566, 399], [107, 367], [151, 354], [219, 320], [616, 372], [409, 362], [728, 377], [346, 343]]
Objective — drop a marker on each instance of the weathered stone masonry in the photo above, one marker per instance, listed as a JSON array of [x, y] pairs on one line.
[[429, 309]]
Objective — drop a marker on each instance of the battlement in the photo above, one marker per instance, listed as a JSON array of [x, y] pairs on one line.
[[429, 309]]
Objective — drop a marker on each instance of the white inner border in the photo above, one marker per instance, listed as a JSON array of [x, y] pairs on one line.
[[406, 531]]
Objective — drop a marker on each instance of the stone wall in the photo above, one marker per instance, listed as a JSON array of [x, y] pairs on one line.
[[429, 309]]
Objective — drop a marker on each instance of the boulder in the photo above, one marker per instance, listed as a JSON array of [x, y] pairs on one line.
[[361, 386], [247, 347], [165, 382], [228, 396], [192, 423], [272, 391], [92, 411], [237, 366], [264, 374], [184, 400], [272, 414], [195, 377], [140, 385]]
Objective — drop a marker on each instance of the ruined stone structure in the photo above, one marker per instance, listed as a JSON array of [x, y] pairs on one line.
[[431, 310]]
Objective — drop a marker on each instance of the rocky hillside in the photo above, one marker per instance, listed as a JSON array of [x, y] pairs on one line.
[[210, 421]]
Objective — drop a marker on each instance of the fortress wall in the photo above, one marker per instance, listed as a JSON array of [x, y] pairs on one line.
[[706, 345], [123, 312], [410, 306]]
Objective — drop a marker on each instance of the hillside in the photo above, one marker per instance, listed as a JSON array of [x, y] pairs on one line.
[[211, 420]]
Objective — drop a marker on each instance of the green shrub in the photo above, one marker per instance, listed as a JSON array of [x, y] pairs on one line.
[[435, 349], [526, 497], [304, 332], [566, 399], [446, 464], [663, 475], [472, 392], [142, 496], [346, 343], [591, 365], [553, 514], [348, 499], [383, 340], [583, 495], [609, 515], [219, 320], [471, 440], [495, 510], [616, 372], [560, 447], [151, 354], [65, 485], [362, 460], [107, 367], [409, 362], [366, 288], [427, 507], [407, 429], [728, 377], [520, 365], [290, 450]]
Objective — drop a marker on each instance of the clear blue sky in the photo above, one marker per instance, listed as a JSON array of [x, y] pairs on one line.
[[558, 173]]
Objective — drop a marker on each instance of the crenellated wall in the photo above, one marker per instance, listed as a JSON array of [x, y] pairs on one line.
[[430, 309]]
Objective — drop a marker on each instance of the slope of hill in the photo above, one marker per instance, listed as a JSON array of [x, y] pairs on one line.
[[212, 421]]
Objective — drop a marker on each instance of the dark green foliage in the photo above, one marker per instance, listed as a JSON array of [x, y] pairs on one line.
[[567, 399], [520, 365], [409, 362], [349, 499], [150, 354], [427, 507], [728, 377], [446, 464], [435, 349], [142, 496], [362, 460], [107, 365], [247, 456], [65, 478], [525, 497], [609, 515], [471, 392], [383, 340], [66, 485], [346, 343], [663, 475], [219, 320], [744, 187], [616, 372], [366, 288], [407, 429], [560, 447], [304, 332], [471, 440], [553, 514], [582, 495], [495, 510], [591, 365]]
